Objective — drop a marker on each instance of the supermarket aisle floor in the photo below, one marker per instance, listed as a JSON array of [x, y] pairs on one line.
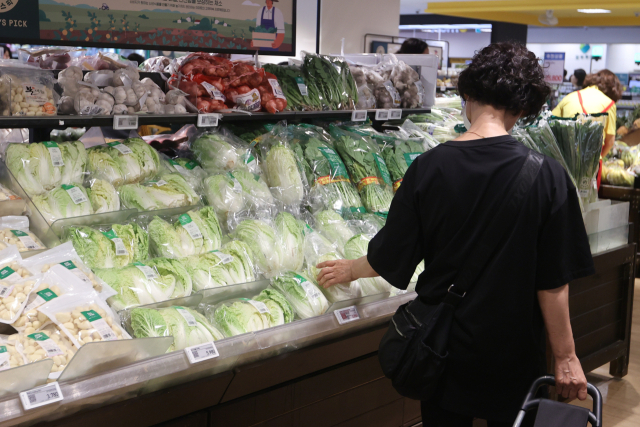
[[622, 396]]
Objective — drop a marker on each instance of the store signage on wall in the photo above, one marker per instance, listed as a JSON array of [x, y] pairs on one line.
[[234, 26], [553, 67]]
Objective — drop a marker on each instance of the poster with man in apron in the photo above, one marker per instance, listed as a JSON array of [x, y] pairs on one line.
[[271, 17]]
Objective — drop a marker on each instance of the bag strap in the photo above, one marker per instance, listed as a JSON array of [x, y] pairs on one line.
[[493, 234]]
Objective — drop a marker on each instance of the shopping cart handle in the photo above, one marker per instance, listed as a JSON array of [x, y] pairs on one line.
[[530, 402]]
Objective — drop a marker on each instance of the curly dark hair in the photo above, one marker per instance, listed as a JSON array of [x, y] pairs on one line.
[[607, 82], [506, 76]]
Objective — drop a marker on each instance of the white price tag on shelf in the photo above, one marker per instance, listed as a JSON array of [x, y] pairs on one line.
[[347, 314], [125, 122], [201, 352], [395, 114], [359, 115], [41, 396], [382, 114], [208, 120]]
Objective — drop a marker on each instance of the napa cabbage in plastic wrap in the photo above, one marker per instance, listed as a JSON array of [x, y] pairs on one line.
[[355, 248], [238, 316], [169, 191], [103, 196], [334, 227], [219, 152], [290, 241], [260, 236], [66, 201], [302, 293]]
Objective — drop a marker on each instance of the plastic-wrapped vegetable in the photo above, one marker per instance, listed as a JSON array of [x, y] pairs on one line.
[[302, 293], [173, 273], [219, 153], [103, 196], [260, 236], [355, 248], [290, 241], [186, 326], [66, 201], [239, 316], [129, 162], [109, 246], [302, 94], [169, 191], [334, 227], [14, 230], [367, 169], [333, 79], [27, 91], [6, 194], [191, 233], [398, 154]]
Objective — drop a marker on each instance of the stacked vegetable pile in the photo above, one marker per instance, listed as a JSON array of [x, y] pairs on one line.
[[621, 166], [215, 83]]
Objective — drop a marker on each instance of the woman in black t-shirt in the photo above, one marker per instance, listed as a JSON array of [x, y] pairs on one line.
[[448, 195]]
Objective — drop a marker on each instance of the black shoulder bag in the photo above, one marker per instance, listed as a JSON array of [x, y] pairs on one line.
[[413, 351]]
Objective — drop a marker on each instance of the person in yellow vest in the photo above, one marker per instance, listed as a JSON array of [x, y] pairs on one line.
[[601, 92]]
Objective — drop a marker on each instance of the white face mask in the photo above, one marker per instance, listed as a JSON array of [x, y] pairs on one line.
[[465, 119]]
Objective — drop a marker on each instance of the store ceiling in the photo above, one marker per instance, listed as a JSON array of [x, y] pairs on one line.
[[623, 12]]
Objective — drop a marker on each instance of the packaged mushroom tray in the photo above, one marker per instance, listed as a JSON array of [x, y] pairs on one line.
[[26, 91]]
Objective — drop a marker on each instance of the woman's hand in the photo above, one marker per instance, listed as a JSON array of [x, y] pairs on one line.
[[570, 379], [335, 272]]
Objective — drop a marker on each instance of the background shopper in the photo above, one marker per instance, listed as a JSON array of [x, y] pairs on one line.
[[414, 46], [497, 342]]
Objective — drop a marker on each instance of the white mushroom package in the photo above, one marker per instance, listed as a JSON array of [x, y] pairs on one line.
[[84, 318], [14, 230]]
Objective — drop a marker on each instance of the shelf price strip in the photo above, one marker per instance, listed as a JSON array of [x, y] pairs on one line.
[[125, 122], [208, 120], [41, 396], [347, 314], [201, 352], [382, 114], [359, 115], [395, 114]]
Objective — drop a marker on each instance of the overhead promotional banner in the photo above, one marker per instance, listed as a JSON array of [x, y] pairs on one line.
[[233, 26], [553, 67]]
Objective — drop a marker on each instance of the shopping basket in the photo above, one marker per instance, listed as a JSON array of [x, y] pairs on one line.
[[557, 414]]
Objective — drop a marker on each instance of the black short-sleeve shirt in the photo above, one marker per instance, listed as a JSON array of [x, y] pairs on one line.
[[447, 197]]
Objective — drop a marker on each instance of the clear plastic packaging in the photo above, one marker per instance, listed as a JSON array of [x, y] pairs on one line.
[[174, 273], [14, 230], [332, 76], [6, 194], [10, 357], [260, 236], [129, 162], [398, 155], [49, 58], [241, 252], [52, 285], [167, 191], [65, 201], [220, 152], [140, 284], [68, 80], [334, 228], [14, 295], [27, 91], [40, 167], [280, 311], [65, 257], [47, 343], [103, 196], [192, 233], [157, 64], [302, 293], [11, 269], [318, 249], [355, 248], [213, 269], [108, 246], [84, 318], [185, 325], [290, 241], [189, 169], [239, 316], [100, 78], [283, 167]]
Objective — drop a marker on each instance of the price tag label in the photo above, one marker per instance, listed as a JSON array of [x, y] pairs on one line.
[[382, 114], [5, 358], [5, 291], [125, 122], [148, 272], [395, 114], [7, 274], [311, 290], [224, 258], [208, 120], [54, 152], [159, 183], [75, 193], [69, 265], [121, 250], [260, 306], [201, 352], [100, 324], [41, 297], [191, 321], [120, 147], [47, 344], [302, 86], [347, 314], [41, 396], [190, 226], [359, 115], [25, 239]]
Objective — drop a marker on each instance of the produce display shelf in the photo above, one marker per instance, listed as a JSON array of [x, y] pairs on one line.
[[148, 119]]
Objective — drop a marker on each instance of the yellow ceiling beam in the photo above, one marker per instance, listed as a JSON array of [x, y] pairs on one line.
[[513, 17], [455, 7]]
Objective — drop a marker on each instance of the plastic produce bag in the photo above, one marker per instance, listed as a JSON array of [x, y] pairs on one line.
[[260, 236], [27, 91], [173, 272], [129, 162], [212, 270], [10, 357], [334, 228], [40, 167], [84, 318], [318, 249], [218, 152], [189, 169], [66, 201], [168, 191], [239, 316], [52, 285], [107, 246], [11, 269], [47, 343], [6, 194], [140, 284], [185, 325], [192, 233], [355, 248], [301, 93], [325, 171], [49, 58], [398, 155], [65, 257], [103, 196], [333, 78], [367, 169], [290, 241], [14, 230], [14, 295], [302, 293], [284, 167]]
